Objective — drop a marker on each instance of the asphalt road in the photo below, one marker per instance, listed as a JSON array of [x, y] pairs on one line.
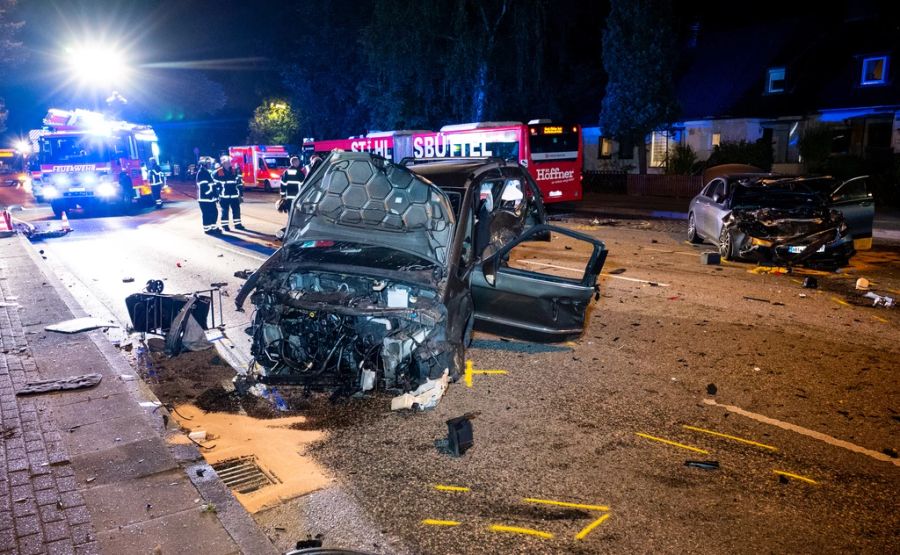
[[724, 363]]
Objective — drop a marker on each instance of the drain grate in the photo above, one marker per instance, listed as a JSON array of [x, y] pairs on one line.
[[243, 474]]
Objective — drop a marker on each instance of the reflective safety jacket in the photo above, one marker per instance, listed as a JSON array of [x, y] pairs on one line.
[[207, 189], [291, 180], [230, 182], [156, 176]]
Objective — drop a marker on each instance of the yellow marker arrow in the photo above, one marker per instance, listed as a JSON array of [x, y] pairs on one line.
[[672, 443], [471, 372], [517, 530], [590, 527]]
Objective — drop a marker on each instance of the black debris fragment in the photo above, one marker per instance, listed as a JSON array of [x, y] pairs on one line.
[[710, 258], [757, 299], [128, 280], [711, 389], [460, 436], [243, 274], [890, 452], [810, 282], [617, 271], [705, 465]]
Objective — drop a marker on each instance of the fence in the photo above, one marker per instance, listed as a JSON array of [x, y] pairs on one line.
[[677, 186]]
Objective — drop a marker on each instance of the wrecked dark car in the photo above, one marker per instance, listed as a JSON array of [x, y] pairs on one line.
[[773, 219], [385, 270]]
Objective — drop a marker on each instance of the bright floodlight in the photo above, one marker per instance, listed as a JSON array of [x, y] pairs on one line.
[[95, 65], [22, 146]]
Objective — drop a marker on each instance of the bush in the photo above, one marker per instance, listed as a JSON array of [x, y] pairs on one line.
[[681, 161], [757, 154], [815, 147]]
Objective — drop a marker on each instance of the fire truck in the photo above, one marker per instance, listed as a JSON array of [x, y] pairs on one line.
[[553, 153], [85, 160], [261, 165]]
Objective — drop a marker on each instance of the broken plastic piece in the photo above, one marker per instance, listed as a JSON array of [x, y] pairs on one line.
[[199, 435], [426, 396], [879, 300], [79, 324], [862, 284], [810, 282], [460, 436], [710, 258], [705, 465]]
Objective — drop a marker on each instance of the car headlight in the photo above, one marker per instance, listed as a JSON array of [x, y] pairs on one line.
[[50, 192], [106, 189], [274, 175]]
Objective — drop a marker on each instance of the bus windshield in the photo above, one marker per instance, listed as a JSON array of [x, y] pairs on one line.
[[79, 149], [561, 146]]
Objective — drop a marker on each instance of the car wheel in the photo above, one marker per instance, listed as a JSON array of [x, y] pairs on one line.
[[267, 187], [692, 230], [726, 245]]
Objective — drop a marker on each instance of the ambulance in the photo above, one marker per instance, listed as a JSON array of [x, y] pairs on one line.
[[261, 165]]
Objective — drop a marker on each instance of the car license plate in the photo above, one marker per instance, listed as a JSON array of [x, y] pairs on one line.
[[76, 189], [793, 249]]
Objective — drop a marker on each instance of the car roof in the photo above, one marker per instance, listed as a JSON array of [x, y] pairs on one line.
[[449, 173]]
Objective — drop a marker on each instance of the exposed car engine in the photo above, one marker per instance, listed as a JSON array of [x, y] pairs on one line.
[[348, 331]]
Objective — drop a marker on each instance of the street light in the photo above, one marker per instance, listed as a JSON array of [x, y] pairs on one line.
[[94, 65]]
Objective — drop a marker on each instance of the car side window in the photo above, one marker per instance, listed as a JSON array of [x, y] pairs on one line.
[[717, 194], [853, 189]]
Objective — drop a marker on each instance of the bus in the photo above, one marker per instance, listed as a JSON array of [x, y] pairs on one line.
[[553, 153]]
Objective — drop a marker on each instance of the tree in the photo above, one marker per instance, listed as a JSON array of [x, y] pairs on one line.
[[638, 56], [274, 122], [11, 51]]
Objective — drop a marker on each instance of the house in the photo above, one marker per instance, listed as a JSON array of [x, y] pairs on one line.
[[773, 80]]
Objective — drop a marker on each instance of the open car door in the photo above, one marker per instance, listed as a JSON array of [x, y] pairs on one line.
[[535, 291], [855, 202]]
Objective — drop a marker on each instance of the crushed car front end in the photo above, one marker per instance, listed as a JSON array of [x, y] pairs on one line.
[[355, 299], [802, 231]]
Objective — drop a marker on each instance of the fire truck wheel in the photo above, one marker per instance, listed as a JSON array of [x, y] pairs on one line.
[[267, 187]]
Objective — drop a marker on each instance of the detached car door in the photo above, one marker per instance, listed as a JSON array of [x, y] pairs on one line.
[[535, 291], [855, 202]]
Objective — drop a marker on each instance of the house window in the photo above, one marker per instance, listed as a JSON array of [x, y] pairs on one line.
[[715, 140], [660, 144], [874, 70], [605, 149], [775, 83]]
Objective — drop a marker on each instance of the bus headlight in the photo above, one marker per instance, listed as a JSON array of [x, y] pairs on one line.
[[105, 190]]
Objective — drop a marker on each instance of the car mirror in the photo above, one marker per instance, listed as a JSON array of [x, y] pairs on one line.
[[489, 270]]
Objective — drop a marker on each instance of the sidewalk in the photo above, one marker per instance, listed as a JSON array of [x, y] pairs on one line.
[[89, 471], [609, 205]]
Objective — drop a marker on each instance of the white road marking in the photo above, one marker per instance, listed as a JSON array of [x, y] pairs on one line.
[[582, 272], [683, 253], [806, 431], [242, 253]]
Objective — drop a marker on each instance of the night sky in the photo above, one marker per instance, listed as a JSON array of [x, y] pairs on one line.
[[243, 45]]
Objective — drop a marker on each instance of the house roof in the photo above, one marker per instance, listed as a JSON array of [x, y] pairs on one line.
[[725, 74]]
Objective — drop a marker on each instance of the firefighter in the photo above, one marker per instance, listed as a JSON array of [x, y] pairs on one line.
[[232, 187], [291, 180], [157, 181], [207, 196]]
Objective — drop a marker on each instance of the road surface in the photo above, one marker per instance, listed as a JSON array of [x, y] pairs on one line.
[[582, 447]]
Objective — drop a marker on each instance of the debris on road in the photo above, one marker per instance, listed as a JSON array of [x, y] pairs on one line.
[[711, 389], [79, 324], [710, 258], [460, 436], [426, 396], [244, 274], [154, 286], [757, 299], [862, 284], [616, 271], [705, 465], [128, 280], [198, 435], [810, 282], [879, 300], [62, 384]]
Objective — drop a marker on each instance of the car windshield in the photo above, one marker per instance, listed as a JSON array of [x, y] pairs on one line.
[[773, 196], [78, 149], [348, 253], [277, 161]]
